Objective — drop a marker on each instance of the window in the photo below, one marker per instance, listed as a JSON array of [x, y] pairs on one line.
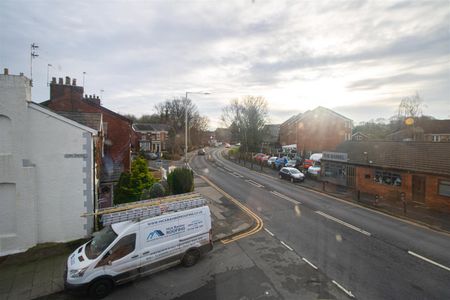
[[122, 248], [436, 138], [388, 178], [334, 170], [444, 188]]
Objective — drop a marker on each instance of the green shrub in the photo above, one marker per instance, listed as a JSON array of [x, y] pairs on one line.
[[181, 180], [157, 190], [166, 187], [131, 185]]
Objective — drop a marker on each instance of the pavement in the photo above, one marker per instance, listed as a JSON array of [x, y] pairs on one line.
[[414, 212], [39, 271]]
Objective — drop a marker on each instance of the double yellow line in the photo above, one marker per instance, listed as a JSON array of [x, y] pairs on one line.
[[259, 222]]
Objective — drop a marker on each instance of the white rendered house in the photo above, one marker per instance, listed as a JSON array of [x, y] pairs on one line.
[[46, 171]]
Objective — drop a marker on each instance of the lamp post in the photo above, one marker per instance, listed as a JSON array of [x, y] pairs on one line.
[[186, 122]]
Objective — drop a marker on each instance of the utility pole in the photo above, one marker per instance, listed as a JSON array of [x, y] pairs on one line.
[[33, 55]]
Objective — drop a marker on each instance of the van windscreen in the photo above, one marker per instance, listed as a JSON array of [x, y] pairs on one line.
[[102, 239]]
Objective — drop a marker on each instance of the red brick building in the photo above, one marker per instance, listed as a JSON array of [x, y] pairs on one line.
[[419, 170], [153, 138], [118, 134], [316, 130]]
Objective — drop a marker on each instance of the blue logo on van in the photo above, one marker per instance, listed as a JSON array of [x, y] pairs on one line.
[[155, 234]]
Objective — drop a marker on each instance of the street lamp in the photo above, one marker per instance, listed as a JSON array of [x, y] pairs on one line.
[[186, 122]]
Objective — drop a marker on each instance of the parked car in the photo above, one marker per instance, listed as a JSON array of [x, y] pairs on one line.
[[281, 162], [307, 163], [152, 156], [258, 156], [291, 174], [314, 170], [271, 161], [294, 163], [264, 158], [201, 152]]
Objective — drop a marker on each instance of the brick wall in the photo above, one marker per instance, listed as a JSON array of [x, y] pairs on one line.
[[322, 130], [366, 184], [433, 199], [119, 135], [392, 193]]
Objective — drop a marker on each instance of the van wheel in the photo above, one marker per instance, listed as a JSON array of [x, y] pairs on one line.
[[190, 258], [100, 288]]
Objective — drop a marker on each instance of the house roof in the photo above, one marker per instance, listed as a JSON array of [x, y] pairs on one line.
[[150, 127], [102, 108], [50, 113], [300, 116], [360, 133], [92, 120], [292, 119], [427, 157], [435, 126]]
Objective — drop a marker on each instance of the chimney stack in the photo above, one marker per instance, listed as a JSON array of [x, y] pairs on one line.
[[21, 74], [67, 80], [6, 71], [74, 81], [60, 81], [54, 80]]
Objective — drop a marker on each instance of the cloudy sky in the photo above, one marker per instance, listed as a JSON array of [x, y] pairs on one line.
[[358, 58]]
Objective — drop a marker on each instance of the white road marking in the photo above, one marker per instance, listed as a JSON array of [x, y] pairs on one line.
[[267, 230], [429, 260], [285, 197], [254, 183], [309, 263], [236, 174], [343, 223], [343, 289], [286, 245]]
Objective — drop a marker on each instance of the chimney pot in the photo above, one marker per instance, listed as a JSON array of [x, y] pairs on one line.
[[6, 71], [98, 97], [60, 80], [54, 80], [21, 73], [85, 96], [74, 81], [67, 80]]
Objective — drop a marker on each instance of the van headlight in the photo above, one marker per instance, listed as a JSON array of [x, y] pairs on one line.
[[77, 273]]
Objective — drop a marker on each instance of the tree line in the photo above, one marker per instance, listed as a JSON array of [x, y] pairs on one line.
[[172, 113]]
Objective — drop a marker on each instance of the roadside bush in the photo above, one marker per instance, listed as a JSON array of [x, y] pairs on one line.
[[166, 187], [157, 190], [131, 185], [181, 180]]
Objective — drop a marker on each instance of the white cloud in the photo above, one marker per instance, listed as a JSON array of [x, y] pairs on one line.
[[360, 57]]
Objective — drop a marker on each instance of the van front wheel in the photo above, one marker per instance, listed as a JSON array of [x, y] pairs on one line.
[[100, 288], [190, 258]]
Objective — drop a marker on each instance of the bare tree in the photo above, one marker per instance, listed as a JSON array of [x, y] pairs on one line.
[[410, 106], [247, 116]]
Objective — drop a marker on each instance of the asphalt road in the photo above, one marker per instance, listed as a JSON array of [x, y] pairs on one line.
[[369, 254]]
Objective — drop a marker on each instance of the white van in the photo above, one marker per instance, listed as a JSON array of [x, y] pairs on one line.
[[122, 251]]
